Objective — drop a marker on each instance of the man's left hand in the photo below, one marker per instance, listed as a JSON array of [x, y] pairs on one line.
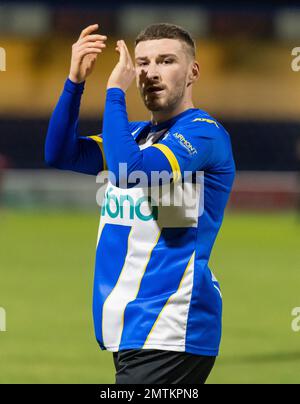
[[124, 71]]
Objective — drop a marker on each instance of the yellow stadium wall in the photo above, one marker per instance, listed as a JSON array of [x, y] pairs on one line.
[[239, 78]]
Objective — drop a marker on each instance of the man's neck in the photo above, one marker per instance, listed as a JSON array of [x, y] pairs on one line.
[[158, 117]]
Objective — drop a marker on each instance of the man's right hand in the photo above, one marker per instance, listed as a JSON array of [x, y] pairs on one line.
[[85, 52]]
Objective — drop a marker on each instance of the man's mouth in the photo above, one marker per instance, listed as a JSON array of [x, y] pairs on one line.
[[156, 90]]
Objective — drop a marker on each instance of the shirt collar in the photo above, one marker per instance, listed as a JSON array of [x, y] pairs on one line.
[[170, 122]]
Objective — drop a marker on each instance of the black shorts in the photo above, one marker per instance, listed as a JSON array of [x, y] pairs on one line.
[[151, 366]]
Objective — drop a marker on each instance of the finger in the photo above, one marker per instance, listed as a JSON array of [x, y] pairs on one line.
[[97, 44], [121, 50], [88, 30], [128, 57], [91, 38], [88, 51]]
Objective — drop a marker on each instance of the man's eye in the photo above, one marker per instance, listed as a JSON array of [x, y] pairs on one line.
[[168, 61]]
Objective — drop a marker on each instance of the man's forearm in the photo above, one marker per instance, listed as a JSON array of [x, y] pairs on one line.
[[61, 145], [119, 145], [63, 148]]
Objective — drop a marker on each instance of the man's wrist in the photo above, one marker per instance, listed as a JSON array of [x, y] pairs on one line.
[[110, 86], [73, 87], [117, 91], [74, 79]]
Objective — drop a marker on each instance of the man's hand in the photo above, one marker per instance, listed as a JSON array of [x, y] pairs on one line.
[[124, 72], [85, 52]]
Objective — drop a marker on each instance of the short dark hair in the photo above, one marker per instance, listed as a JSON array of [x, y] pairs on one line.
[[166, 30]]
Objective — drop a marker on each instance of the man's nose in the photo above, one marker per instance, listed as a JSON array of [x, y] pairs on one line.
[[152, 71]]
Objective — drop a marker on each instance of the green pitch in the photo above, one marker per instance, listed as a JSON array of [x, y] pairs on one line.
[[46, 281]]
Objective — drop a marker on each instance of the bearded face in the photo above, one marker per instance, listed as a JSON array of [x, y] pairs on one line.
[[161, 71]]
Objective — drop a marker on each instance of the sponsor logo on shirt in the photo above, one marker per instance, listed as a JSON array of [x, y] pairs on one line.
[[185, 143], [126, 207]]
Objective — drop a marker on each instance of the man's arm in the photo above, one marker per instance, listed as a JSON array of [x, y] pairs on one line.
[[120, 146], [63, 148]]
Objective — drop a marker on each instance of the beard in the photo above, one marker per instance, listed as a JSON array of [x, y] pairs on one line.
[[164, 102]]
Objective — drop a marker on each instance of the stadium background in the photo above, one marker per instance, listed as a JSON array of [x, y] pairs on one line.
[[49, 218]]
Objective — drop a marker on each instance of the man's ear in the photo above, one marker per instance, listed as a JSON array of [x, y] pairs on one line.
[[194, 72]]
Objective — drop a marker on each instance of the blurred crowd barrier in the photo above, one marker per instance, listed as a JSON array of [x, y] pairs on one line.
[[265, 191], [247, 82]]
